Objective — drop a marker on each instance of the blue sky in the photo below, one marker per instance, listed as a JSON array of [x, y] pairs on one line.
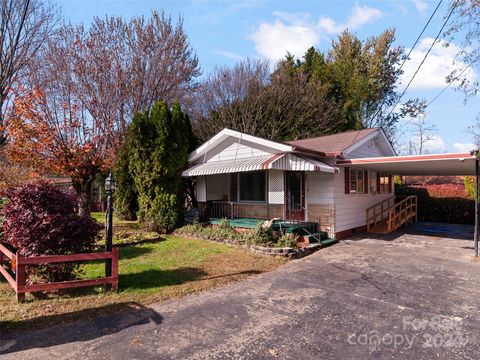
[[224, 32]]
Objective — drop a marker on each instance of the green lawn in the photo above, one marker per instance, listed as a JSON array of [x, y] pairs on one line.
[[151, 272]]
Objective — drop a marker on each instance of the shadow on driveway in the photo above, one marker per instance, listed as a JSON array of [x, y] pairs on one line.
[[131, 314]]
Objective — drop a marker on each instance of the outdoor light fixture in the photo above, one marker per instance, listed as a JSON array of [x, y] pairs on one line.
[[110, 183], [109, 189]]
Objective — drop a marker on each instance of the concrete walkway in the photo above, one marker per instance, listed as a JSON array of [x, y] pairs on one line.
[[409, 297]]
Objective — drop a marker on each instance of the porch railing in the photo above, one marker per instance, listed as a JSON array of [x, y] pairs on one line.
[[391, 214]]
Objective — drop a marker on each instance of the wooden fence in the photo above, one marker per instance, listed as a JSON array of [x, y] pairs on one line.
[[18, 263]]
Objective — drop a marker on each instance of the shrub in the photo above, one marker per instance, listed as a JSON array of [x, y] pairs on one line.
[[260, 236], [126, 196], [287, 240], [40, 219]]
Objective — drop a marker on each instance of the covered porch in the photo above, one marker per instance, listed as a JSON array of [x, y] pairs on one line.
[[264, 188]]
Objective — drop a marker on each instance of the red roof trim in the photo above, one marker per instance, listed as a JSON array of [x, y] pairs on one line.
[[271, 160], [391, 159]]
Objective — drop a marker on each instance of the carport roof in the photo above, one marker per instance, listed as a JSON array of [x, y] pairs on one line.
[[438, 164]]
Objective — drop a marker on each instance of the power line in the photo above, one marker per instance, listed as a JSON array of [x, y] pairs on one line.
[[404, 61], [424, 58], [451, 82]]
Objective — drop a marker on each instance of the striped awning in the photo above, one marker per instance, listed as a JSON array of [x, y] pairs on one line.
[[279, 161]]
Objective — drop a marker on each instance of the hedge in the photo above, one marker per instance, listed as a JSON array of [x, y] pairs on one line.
[[443, 203]]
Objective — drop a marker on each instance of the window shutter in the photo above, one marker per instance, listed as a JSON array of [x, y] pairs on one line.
[[378, 182], [365, 181], [390, 185], [347, 180]]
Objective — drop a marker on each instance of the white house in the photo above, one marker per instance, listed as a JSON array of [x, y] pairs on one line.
[[244, 176]]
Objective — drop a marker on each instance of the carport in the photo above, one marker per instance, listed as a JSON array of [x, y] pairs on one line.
[[430, 165]]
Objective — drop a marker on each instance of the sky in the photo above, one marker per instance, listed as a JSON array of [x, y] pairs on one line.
[[225, 32]]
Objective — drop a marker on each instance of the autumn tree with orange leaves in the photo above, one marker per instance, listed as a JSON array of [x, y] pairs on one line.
[[71, 144]]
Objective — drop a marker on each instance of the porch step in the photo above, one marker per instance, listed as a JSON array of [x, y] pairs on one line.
[[328, 242], [312, 239]]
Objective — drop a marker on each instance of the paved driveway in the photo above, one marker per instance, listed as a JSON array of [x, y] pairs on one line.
[[411, 297]]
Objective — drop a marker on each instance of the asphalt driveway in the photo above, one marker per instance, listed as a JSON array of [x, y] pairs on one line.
[[406, 297]]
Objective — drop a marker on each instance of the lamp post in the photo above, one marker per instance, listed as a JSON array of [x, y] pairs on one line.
[[109, 189]]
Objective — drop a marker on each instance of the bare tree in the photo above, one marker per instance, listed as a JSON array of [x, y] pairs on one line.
[[85, 87], [423, 132], [119, 67], [277, 106], [25, 25]]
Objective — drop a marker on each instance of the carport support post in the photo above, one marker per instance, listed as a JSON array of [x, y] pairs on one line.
[[477, 223]]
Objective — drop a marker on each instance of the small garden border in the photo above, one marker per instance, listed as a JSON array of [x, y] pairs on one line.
[[285, 252]]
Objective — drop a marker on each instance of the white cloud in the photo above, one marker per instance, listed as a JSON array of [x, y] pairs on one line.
[[463, 147], [435, 144], [438, 65], [230, 55], [420, 5], [360, 16], [295, 32], [274, 40]]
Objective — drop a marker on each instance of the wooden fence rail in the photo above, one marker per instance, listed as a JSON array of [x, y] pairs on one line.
[[19, 262]]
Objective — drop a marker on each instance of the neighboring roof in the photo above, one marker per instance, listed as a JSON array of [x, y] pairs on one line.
[[436, 164], [335, 144]]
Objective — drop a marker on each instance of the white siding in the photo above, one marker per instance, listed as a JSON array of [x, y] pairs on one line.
[[201, 189], [276, 189], [350, 208], [319, 188], [231, 149], [369, 149]]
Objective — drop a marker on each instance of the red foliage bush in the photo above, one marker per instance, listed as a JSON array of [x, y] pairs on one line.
[[39, 219], [444, 190]]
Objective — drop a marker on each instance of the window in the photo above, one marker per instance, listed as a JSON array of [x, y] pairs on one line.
[[253, 186], [384, 183], [357, 181]]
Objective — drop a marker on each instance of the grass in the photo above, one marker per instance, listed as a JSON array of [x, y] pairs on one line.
[[169, 268]]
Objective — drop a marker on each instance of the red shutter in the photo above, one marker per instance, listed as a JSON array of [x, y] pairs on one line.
[[390, 185], [347, 180], [378, 182], [365, 181]]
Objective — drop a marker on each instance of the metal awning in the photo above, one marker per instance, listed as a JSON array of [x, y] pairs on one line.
[[437, 164], [279, 161]]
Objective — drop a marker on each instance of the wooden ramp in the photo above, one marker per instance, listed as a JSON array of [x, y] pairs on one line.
[[391, 214]]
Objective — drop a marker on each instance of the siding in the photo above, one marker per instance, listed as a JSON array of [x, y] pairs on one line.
[[350, 208], [230, 149], [369, 149], [320, 201]]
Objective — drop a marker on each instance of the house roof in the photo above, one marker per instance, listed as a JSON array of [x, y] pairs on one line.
[[334, 144], [330, 145]]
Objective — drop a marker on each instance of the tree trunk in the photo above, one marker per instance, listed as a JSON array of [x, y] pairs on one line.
[[83, 188]]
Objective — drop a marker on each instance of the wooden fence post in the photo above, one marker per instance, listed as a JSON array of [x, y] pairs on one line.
[[115, 252], [20, 278]]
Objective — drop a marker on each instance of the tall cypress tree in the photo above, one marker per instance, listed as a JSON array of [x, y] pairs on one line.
[[159, 144]]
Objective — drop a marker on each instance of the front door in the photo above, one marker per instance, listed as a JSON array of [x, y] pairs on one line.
[[295, 195]]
